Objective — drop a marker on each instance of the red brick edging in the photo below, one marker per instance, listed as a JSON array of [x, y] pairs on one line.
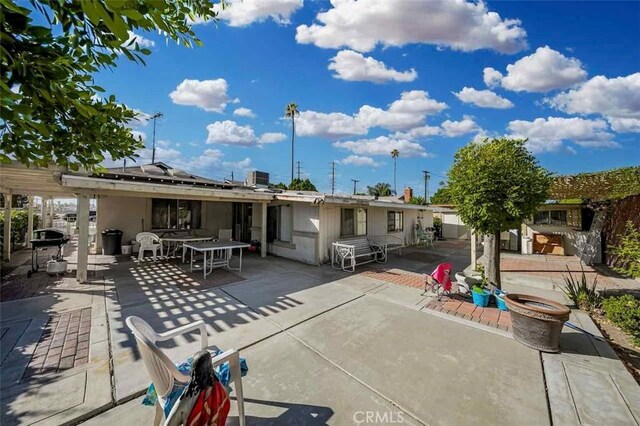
[[462, 308]]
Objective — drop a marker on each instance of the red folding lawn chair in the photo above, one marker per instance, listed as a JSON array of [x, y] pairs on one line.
[[439, 282]]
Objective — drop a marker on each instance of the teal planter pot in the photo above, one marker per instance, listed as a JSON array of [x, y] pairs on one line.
[[481, 299]]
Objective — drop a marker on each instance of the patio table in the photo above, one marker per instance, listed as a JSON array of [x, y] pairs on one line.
[[219, 253], [180, 240]]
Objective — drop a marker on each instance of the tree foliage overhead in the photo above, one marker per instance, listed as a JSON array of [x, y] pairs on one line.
[[418, 199], [497, 184], [302, 185], [381, 189], [52, 110]]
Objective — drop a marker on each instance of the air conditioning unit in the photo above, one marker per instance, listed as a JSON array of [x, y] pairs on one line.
[[256, 178]]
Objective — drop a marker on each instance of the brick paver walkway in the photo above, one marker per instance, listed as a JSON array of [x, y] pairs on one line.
[[64, 343], [462, 307], [396, 276]]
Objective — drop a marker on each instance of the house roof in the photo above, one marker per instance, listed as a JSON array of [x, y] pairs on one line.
[[160, 172]]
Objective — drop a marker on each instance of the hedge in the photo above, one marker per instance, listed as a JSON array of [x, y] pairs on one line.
[[19, 223]]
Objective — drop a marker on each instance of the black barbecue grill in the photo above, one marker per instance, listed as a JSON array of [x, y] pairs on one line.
[[44, 239]]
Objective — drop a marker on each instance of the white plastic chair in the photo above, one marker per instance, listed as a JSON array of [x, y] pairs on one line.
[[224, 235], [150, 242], [164, 372]]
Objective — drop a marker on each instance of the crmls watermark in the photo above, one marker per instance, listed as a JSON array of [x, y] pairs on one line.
[[378, 417]]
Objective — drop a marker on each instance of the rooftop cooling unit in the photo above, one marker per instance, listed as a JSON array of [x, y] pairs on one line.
[[256, 178]]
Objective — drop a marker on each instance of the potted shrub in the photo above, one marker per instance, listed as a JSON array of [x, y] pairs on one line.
[[480, 295], [537, 322]]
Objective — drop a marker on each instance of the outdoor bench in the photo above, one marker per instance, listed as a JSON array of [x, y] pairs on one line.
[[347, 254]]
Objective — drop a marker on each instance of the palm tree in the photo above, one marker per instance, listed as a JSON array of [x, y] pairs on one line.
[[290, 111], [381, 189], [394, 154]]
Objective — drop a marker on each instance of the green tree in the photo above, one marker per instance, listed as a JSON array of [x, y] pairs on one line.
[[442, 196], [290, 111], [302, 185], [280, 185], [52, 111], [417, 200], [380, 189], [496, 185], [394, 154]]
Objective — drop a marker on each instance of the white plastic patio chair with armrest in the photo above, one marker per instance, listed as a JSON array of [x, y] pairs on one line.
[[149, 242], [224, 234], [164, 373]]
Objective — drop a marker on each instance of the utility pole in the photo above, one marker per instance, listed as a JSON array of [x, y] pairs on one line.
[[298, 162], [355, 182], [333, 177], [426, 186], [153, 149], [232, 179]]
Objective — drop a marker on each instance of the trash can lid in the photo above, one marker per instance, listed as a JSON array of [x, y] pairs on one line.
[[111, 232]]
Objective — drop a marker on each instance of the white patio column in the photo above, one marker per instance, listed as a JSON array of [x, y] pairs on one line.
[[29, 235], [51, 203], [43, 212], [474, 246], [83, 237], [6, 245], [263, 231]]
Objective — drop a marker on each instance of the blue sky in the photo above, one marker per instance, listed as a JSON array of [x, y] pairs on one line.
[[423, 77]]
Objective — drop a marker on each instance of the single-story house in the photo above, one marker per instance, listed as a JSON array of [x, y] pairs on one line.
[[158, 197]]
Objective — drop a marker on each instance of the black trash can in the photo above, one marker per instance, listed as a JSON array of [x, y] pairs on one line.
[[111, 241]]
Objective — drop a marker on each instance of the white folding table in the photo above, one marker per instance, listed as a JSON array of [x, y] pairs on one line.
[[180, 240], [218, 254]]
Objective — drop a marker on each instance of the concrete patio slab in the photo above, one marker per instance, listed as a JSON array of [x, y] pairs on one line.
[[466, 376]]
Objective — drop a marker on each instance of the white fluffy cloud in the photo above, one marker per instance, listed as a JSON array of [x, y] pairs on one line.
[[240, 13], [491, 77], [271, 138], [353, 66], [210, 95], [244, 112], [458, 24], [550, 133], [483, 98], [383, 145], [459, 128], [405, 113], [229, 132], [618, 99], [331, 125], [242, 165], [359, 160], [137, 38], [419, 132], [545, 69]]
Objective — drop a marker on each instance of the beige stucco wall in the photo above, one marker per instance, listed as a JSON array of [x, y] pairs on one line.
[[216, 215], [453, 227], [131, 215], [305, 234], [376, 224]]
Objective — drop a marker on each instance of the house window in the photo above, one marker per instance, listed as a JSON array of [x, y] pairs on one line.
[[353, 222], [279, 221], [395, 221], [551, 217], [175, 214]]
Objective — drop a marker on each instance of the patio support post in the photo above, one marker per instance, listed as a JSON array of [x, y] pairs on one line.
[[43, 212], [474, 249], [51, 213], [263, 231], [83, 237], [29, 235], [6, 244]]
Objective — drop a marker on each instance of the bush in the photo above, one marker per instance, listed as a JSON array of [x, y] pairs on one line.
[[628, 251], [624, 311], [583, 295], [19, 222]]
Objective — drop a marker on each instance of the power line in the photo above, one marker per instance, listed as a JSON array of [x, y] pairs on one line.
[[355, 182]]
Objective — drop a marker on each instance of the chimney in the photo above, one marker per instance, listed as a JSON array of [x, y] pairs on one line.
[[408, 194]]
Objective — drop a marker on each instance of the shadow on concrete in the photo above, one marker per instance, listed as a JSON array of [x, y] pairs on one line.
[[294, 414]]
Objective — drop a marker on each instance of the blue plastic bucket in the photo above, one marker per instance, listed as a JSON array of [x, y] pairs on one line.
[[502, 305], [481, 299]]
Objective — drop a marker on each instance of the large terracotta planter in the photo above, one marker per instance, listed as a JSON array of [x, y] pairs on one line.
[[537, 322]]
